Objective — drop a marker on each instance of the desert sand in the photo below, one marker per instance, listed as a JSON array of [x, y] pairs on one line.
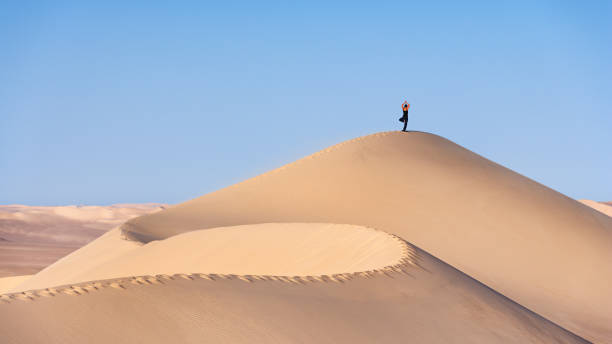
[[8, 284], [602, 207], [31, 237], [391, 237], [306, 249], [429, 302], [497, 226]]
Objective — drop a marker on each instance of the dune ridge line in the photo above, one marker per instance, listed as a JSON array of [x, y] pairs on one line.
[[409, 259], [314, 155], [126, 226]]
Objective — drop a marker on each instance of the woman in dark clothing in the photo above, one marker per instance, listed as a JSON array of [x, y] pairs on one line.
[[405, 107]]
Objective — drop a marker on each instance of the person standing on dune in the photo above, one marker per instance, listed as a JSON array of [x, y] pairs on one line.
[[405, 107]]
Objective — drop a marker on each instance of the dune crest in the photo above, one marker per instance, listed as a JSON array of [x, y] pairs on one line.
[[8, 283], [275, 249]]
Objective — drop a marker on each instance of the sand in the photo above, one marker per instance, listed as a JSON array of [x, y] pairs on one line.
[[532, 244], [304, 249], [24, 259], [33, 237], [67, 225], [8, 283], [425, 303], [489, 256], [602, 207]]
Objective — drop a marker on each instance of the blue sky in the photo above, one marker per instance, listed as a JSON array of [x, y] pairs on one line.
[[165, 101]]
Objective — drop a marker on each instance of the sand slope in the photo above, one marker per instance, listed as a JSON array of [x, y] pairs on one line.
[[428, 303], [530, 243], [602, 207], [8, 283]]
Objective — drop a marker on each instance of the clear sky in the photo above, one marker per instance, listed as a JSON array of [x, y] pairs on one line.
[[164, 101]]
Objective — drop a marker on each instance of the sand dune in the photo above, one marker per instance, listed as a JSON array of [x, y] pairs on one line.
[[602, 207], [67, 225], [7, 284], [284, 249], [286, 269], [19, 259], [428, 302], [530, 243], [33, 237]]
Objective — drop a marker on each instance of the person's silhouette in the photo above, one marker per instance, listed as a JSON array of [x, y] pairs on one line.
[[405, 107]]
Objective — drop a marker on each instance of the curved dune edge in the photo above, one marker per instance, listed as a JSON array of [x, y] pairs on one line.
[[8, 283], [410, 260], [404, 255], [260, 249], [127, 228]]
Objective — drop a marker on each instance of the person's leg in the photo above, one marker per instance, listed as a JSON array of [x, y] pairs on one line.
[[405, 122]]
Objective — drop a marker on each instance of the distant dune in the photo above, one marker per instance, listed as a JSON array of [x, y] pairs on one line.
[[602, 207], [391, 237], [33, 237]]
